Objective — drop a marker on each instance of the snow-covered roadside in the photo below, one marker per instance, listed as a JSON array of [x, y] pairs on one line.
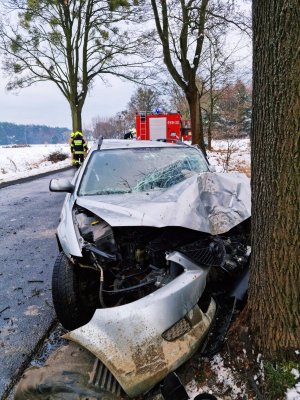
[[21, 162], [231, 155], [225, 382]]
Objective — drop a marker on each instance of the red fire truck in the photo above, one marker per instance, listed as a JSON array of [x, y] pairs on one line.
[[153, 126]]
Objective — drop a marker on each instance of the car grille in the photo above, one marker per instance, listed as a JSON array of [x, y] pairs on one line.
[[207, 252], [102, 378], [177, 330]]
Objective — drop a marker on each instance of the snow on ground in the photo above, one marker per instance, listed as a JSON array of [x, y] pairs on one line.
[[20, 162], [294, 393], [231, 155], [227, 383]]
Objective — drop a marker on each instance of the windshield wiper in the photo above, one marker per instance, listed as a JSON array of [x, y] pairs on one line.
[[109, 191]]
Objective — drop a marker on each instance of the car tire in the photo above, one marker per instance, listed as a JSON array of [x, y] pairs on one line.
[[73, 307], [205, 396]]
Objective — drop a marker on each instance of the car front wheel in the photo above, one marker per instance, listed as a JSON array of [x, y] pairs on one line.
[[74, 293]]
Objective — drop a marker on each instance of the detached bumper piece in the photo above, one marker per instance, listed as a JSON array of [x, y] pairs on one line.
[[139, 367], [141, 342]]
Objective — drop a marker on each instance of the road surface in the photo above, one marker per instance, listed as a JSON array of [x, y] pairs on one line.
[[28, 220]]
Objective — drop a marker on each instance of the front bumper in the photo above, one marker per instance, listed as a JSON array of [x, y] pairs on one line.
[[141, 342]]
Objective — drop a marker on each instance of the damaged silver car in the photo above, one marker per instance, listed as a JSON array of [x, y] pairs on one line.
[[148, 238]]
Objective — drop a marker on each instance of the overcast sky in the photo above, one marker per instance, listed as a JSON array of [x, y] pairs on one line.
[[43, 104]]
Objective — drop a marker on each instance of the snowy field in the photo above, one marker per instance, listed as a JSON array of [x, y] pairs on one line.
[[20, 162]]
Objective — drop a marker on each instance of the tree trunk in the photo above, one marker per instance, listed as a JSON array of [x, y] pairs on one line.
[[211, 103], [210, 123], [209, 134], [76, 112], [193, 98], [274, 286]]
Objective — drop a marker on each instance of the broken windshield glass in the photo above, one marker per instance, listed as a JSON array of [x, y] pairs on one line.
[[119, 171], [168, 176]]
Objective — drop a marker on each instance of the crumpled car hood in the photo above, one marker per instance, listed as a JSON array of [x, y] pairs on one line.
[[209, 202]]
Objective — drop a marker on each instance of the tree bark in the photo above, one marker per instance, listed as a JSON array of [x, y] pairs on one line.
[[209, 133], [210, 121], [274, 292], [193, 98], [76, 112]]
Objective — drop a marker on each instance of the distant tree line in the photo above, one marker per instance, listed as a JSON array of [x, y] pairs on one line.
[[227, 111], [31, 134]]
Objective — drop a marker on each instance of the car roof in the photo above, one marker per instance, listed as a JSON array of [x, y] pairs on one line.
[[124, 144]]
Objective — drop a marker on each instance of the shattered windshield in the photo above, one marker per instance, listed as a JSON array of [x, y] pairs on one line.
[[117, 171]]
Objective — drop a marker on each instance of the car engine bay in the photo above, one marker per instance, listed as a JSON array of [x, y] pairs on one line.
[[128, 263]]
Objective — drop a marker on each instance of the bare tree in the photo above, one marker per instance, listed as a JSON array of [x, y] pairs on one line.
[[103, 127], [112, 127], [144, 99], [177, 99], [183, 28], [70, 43], [232, 110], [216, 71]]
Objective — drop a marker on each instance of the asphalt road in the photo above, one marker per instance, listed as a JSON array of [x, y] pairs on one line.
[[29, 215]]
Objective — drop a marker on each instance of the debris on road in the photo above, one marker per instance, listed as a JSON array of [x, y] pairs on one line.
[[4, 309]]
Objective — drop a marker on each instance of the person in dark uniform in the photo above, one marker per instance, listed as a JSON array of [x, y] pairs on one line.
[[130, 135], [78, 148]]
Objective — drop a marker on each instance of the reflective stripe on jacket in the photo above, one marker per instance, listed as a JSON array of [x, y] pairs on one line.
[[78, 144]]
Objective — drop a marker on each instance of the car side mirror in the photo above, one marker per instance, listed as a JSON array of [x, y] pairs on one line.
[[61, 185]]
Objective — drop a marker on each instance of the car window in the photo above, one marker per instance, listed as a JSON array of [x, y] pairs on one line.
[[132, 170]]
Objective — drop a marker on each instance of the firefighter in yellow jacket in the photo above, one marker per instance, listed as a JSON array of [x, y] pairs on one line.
[[79, 148]]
